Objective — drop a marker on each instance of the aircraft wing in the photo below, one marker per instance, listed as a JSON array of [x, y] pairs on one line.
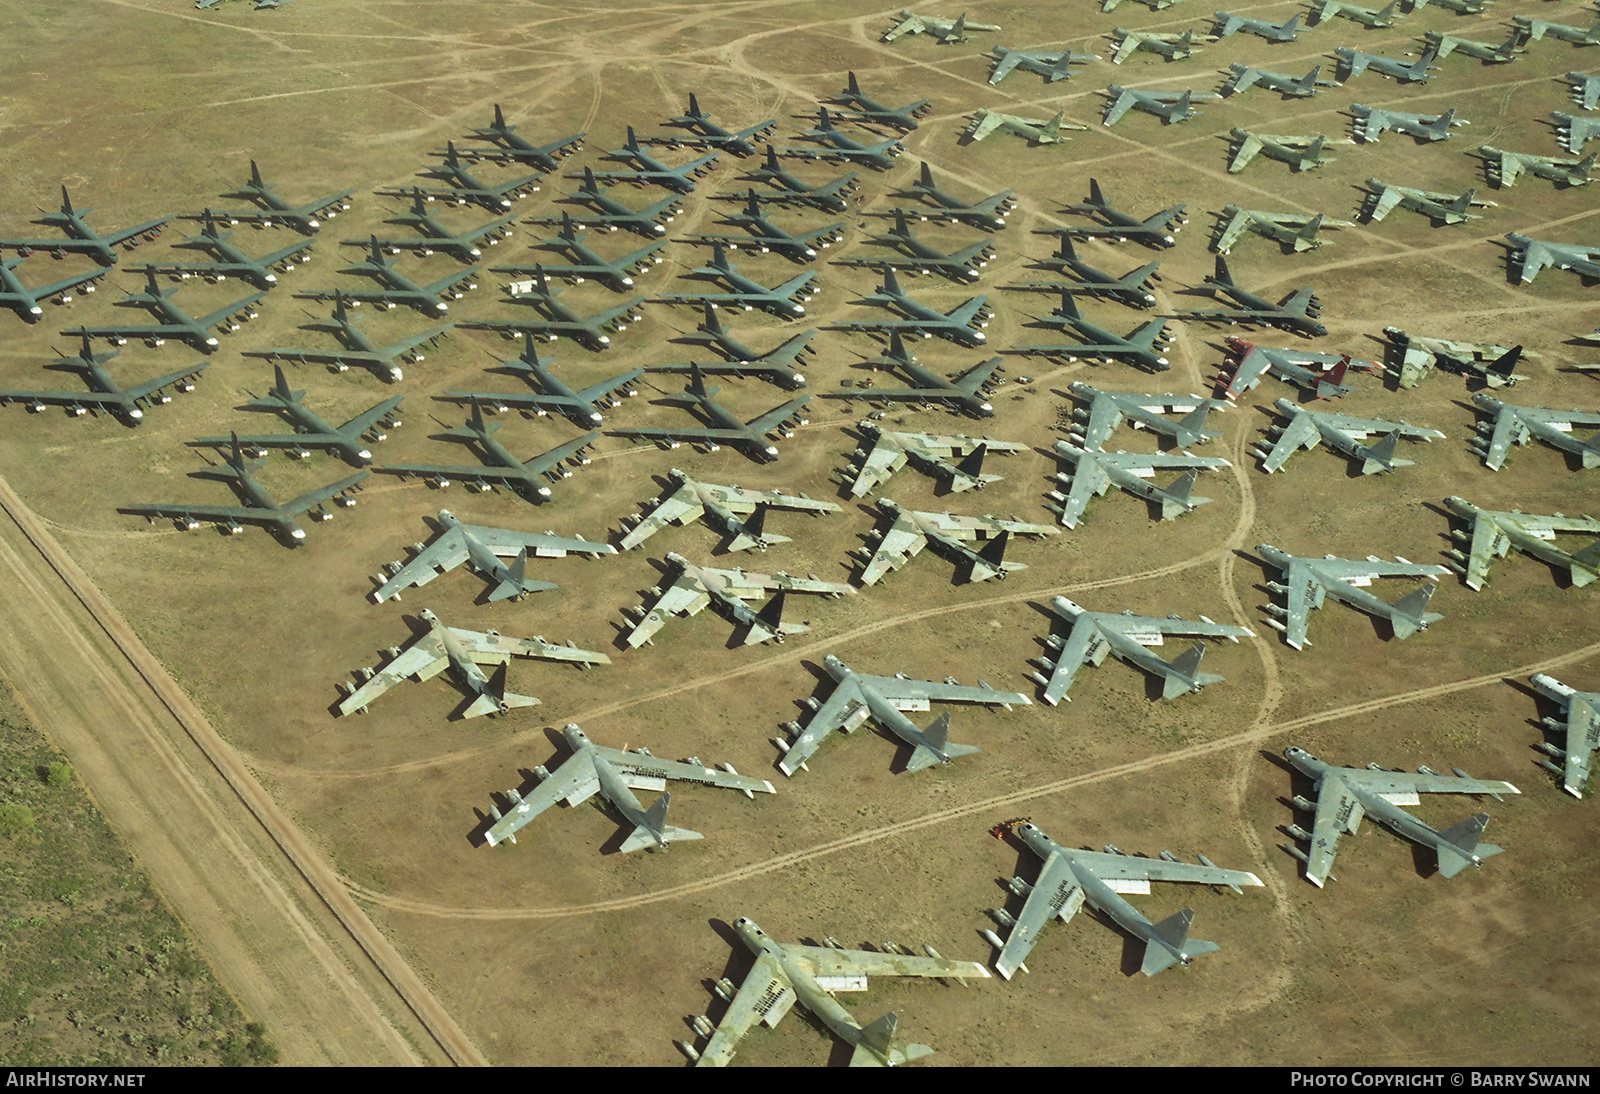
[[606, 387], [1248, 374], [492, 648], [1003, 67], [367, 418], [316, 497], [1247, 151], [1489, 540], [908, 694], [1114, 868], [1055, 893], [645, 772], [983, 123], [423, 659], [1305, 593], [544, 461], [574, 782], [679, 507], [1230, 233], [1535, 257], [139, 391], [1119, 108], [210, 514], [1300, 433], [126, 234], [1402, 787], [963, 315], [899, 545], [844, 710], [1089, 481], [442, 555], [883, 460], [1338, 812], [1083, 646], [775, 417], [1125, 49], [685, 596], [826, 963], [765, 996], [1388, 198]]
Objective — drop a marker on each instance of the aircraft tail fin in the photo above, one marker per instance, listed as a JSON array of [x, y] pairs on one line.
[[926, 181], [768, 622], [897, 348], [1222, 276], [1289, 25], [499, 118], [632, 143], [1588, 559], [900, 227], [971, 464], [1191, 427], [694, 107], [1464, 836], [1069, 307], [1169, 943], [1380, 457], [875, 1046], [512, 584], [66, 201], [1184, 675], [891, 283], [1307, 236], [851, 86], [590, 186], [1328, 383], [989, 562], [1176, 498], [1442, 123], [1052, 130], [655, 831], [1095, 196], [1409, 615], [255, 176], [711, 324], [1067, 250]]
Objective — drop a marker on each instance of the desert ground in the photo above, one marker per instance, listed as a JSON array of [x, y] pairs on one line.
[[332, 869]]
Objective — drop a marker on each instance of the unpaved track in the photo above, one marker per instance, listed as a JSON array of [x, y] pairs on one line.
[[283, 935]]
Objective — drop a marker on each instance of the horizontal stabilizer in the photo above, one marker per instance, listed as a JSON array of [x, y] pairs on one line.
[[1409, 616], [1464, 837]]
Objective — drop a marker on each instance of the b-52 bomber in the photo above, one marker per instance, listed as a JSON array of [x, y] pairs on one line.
[[863, 109], [776, 365], [1301, 153], [739, 514], [1539, 29], [723, 426], [923, 258], [615, 774], [1132, 472], [436, 236], [463, 188], [82, 239], [1353, 62], [1371, 123], [1585, 89], [828, 196], [1321, 374], [1052, 66], [1127, 637], [1296, 232], [1343, 434], [526, 478], [258, 507], [786, 301], [397, 287], [582, 408], [695, 587], [1440, 208], [766, 236], [649, 170], [967, 392], [615, 274], [1516, 425], [482, 548], [949, 534], [306, 219], [232, 262], [1033, 130], [461, 652], [1307, 581], [1170, 106], [1346, 794], [512, 148], [1580, 723], [954, 461], [944, 31], [1504, 53], [1119, 227], [1141, 347], [310, 430], [14, 294], [958, 325], [1533, 255], [707, 133], [1109, 409], [785, 973], [1494, 365], [1226, 24], [358, 348], [555, 319], [104, 394], [1492, 533], [1574, 132], [857, 697], [1071, 878], [1296, 312], [611, 214], [1323, 10], [173, 321], [838, 146], [1132, 288], [1174, 47], [1504, 168], [987, 213], [1244, 77]]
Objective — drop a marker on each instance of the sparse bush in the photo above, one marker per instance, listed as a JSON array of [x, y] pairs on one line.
[[59, 774], [15, 818]]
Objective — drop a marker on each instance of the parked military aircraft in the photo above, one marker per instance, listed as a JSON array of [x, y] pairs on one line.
[[1296, 232], [786, 301], [651, 171], [1371, 123], [611, 214], [1296, 312], [1301, 153], [482, 548], [1441, 208], [829, 196], [1132, 472], [232, 262], [14, 294], [358, 348], [1306, 581], [615, 274], [708, 133], [1322, 374], [1346, 794], [777, 364], [1342, 433], [524, 477], [1460, 7], [1244, 77], [1132, 288], [987, 213], [694, 587], [546, 157], [1493, 365], [1226, 24], [173, 321], [723, 426], [556, 320], [944, 31], [857, 697], [1490, 534], [1538, 29], [1033, 130], [1585, 89], [1071, 878], [398, 288], [1504, 168], [1109, 409], [1141, 347], [436, 236], [310, 430], [1575, 132], [1119, 227], [1516, 425], [784, 974], [1052, 66], [258, 508], [838, 146], [953, 460], [82, 239], [1580, 723], [923, 258], [1323, 10], [615, 774], [949, 534], [306, 219], [582, 408], [766, 236], [104, 393], [463, 187], [1446, 44], [461, 652], [1353, 62], [863, 109], [1174, 47], [967, 392], [739, 514], [1534, 255], [958, 325], [1170, 106]]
